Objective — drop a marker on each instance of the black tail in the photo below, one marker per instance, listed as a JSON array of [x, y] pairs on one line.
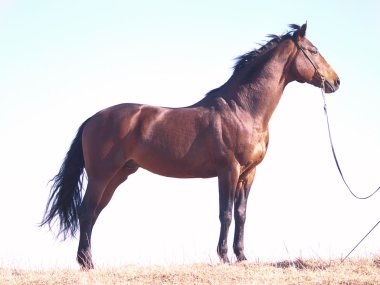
[[66, 192]]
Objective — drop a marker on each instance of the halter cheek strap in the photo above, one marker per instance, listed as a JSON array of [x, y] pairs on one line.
[[312, 63]]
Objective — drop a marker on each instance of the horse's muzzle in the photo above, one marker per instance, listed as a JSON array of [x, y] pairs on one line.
[[330, 87]]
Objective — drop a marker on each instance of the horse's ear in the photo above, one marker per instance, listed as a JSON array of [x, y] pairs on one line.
[[302, 31]]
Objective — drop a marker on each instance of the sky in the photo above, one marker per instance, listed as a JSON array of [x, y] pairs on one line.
[[62, 61]]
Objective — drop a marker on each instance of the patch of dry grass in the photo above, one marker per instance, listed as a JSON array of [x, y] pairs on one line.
[[358, 271]]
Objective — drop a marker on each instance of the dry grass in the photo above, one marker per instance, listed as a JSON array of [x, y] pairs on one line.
[[359, 271]]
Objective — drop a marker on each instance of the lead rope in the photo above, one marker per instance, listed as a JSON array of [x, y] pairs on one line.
[[340, 171], [333, 150]]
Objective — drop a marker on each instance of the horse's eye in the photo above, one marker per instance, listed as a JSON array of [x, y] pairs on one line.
[[314, 52]]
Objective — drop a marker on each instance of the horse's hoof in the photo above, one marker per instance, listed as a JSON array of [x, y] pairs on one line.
[[86, 267], [224, 259], [241, 258], [85, 262]]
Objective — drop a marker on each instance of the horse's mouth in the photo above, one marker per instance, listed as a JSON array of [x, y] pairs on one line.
[[330, 88]]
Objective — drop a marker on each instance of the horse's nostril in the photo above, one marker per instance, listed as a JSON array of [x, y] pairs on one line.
[[337, 82]]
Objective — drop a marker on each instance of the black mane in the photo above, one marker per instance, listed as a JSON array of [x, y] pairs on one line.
[[253, 56], [257, 56]]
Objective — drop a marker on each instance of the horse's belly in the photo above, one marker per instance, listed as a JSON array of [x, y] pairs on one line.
[[166, 165], [179, 171]]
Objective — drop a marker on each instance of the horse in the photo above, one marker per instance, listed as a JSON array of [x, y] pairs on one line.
[[224, 135]]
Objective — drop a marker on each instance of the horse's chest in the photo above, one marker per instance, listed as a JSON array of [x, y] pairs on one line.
[[251, 151]]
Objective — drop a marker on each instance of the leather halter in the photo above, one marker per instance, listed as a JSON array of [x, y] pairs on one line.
[[301, 48]]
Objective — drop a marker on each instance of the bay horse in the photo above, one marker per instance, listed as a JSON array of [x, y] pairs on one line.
[[224, 135]]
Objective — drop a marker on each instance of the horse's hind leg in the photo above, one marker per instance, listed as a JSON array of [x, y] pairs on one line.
[[119, 178], [92, 205], [87, 217]]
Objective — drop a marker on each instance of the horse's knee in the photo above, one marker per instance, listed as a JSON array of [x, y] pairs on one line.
[[226, 217], [240, 215]]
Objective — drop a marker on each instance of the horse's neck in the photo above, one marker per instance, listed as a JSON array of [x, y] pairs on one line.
[[261, 95]]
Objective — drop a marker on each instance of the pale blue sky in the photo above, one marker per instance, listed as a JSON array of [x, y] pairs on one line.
[[62, 61]]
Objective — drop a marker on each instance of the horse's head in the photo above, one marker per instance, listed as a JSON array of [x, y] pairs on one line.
[[310, 66]]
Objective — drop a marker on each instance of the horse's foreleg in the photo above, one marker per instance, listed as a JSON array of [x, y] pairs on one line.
[[227, 186], [240, 207], [87, 217]]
